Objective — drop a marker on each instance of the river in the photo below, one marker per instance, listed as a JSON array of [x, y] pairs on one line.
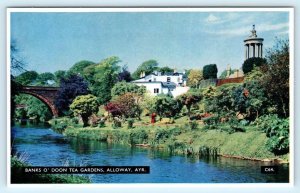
[[48, 148]]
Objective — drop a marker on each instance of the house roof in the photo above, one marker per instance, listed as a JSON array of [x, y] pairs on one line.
[[169, 85]]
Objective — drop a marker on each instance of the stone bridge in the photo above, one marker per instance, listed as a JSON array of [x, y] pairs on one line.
[[46, 94]]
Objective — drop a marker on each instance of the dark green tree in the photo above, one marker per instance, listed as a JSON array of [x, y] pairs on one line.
[[210, 71], [165, 70], [250, 63], [27, 78]]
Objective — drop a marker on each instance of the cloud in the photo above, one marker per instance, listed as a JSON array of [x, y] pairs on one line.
[[221, 18], [212, 19], [243, 31]]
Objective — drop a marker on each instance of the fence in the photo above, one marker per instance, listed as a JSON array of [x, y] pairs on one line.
[[229, 80]]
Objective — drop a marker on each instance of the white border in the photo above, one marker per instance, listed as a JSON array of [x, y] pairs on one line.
[[159, 185]]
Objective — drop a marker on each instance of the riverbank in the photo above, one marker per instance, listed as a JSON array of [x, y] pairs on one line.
[[249, 144], [18, 177]]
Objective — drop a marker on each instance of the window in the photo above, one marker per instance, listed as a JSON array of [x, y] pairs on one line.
[[168, 79], [156, 90], [150, 80], [154, 79]]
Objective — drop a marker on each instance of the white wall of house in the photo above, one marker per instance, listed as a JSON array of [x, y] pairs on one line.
[[151, 86], [164, 78]]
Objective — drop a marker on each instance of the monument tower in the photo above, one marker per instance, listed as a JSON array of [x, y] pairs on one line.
[[253, 45]]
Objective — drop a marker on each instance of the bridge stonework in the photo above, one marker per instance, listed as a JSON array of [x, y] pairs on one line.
[[46, 94]]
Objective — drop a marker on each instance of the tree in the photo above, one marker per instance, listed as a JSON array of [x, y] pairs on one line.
[[276, 79], [104, 77], [79, 67], [189, 99], [124, 75], [194, 78], [146, 67], [250, 63], [70, 88], [166, 106], [59, 75], [84, 106], [165, 70], [113, 108], [17, 63], [121, 88], [210, 71], [27, 78], [129, 104], [33, 108], [45, 79]]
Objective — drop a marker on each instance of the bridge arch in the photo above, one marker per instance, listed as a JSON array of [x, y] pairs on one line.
[[46, 94]]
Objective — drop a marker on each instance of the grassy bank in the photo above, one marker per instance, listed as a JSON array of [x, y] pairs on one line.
[[18, 177], [184, 139]]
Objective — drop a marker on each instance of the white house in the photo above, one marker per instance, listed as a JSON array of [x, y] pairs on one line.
[[156, 83]]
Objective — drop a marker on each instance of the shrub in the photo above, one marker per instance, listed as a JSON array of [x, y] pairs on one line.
[[212, 120], [193, 125], [277, 130], [102, 123], [116, 123], [130, 123]]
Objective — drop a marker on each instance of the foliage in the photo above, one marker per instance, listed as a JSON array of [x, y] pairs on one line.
[[84, 106], [189, 99], [59, 75], [224, 73], [193, 125], [277, 131], [130, 123], [194, 78], [276, 79], [146, 67], [129, 104], [78, 67], [165, 70], [255, 75], [113, 108], [102, 78], [166, 106], [27, 78], [70, 88], [33, 108], [45, 79], [124, 75], [250, 63], [210, 71], [121, 88]]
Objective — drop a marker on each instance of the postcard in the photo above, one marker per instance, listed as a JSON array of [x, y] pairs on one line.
[[150, 96]]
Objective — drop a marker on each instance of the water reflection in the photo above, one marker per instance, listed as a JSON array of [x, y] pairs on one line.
[[48, 148]]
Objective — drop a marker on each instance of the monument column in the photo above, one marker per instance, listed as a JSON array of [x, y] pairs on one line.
[[254, 45]]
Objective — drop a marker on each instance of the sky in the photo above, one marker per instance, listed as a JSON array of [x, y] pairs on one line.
[[55, 41]]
